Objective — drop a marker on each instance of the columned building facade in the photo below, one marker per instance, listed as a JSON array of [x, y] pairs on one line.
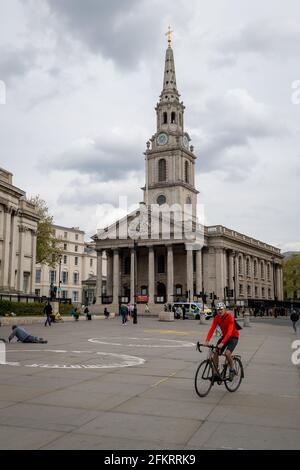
[[146, 265], [18, 232]]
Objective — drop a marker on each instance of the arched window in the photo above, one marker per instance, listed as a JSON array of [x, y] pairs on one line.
[[188, 200], [161, 265], [240, 265], [127, 265], [173, 117], [162, 170], [255, 268], [165, 118], [262, 270], [161, 200], [247, 267], [186, 172]]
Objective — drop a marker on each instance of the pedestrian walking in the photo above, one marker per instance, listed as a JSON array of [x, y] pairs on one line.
[[134, 314], [124, 313], [294, 318], [48, 313], [87, 313]]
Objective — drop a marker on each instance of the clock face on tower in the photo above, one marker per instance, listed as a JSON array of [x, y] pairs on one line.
[[185, 141], [162, 139]]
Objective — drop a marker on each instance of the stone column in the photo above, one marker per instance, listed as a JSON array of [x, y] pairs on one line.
[[13, 254], [198, 271], [220, 273], [231, 271], [6, 254], [99, 277], [278, 282], [189, 274], [132, 276], [151, 275], [170, 271], [109, 277], [33, 260], [21, 258], [116, 278]]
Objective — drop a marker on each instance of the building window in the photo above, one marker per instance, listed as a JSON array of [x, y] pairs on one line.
[[162, 170], [165, 118], [255, 268], [180, 119], [248, 291], [269, 293], [161, 200], [75, 295], [127, 265], [65, 246], [38, 275], [262, 270], [173, 118], [65, 234], [64, 294], [241, 289], [37, 292], [91, 262], [263, 292], [76, 236], [178, 289], [247, 267], [76, 248], [65, 277], [75, 278], [240, 265], [268, 272], [65, 259], [188, 201], [256, 291], [76, 260], [52, 277], [161, 268], [186, 172]]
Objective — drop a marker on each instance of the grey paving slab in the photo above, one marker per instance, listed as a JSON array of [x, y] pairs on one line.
[[148, 428], [18, 438]]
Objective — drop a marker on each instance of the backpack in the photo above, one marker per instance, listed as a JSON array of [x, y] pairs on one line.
[[237, 325]]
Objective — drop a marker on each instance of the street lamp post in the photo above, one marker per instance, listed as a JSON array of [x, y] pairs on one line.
[[59, 281]]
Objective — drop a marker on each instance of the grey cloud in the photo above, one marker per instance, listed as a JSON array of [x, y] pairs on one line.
[[102, 159], [112, 28], [15, 62]]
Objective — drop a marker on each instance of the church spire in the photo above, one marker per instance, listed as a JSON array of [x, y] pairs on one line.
[[169, 85]]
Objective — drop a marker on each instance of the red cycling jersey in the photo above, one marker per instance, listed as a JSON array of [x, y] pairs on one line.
[[226, 323]]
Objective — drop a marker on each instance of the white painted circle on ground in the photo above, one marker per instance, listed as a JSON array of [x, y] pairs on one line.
[[105, 360], [146, 342]]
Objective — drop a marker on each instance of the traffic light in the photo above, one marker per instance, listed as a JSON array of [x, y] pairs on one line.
[[211, 296], [204, 297]]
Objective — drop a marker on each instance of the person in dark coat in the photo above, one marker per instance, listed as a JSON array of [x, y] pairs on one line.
[[134, 314], [48, 312], [294, 318]]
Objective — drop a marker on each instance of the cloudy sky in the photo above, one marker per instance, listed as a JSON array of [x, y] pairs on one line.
[[83, 77]]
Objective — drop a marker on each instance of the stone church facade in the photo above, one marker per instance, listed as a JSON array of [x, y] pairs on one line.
[[167, 264]]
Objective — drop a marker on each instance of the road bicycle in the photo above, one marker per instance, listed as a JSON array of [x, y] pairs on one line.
[[207, 373]]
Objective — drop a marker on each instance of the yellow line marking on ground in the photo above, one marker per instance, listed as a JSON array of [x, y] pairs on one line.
[[163, 380], [168, 332]]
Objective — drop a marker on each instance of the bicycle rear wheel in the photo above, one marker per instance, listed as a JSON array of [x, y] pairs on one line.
[[237, 379], [204, 378]]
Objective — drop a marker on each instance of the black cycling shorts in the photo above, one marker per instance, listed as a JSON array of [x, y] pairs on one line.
[[230, 345]]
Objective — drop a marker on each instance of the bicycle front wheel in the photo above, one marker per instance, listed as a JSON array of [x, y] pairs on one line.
[[237, 379], [204, 378]]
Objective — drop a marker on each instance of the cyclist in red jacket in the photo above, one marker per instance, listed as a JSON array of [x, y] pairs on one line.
[[229, 339]]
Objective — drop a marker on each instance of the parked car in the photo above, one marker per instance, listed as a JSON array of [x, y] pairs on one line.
[[193, 310]]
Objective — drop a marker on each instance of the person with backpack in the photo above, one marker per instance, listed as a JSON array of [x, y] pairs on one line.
[[229, 339]]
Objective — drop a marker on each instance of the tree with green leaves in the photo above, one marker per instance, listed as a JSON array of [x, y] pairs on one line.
[[48, 248], [291, 276]]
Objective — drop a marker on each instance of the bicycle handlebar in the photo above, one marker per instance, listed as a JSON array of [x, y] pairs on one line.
[[211, 346]]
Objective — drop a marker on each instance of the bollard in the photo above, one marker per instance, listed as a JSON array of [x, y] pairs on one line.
[[246, 319], [202, 319]]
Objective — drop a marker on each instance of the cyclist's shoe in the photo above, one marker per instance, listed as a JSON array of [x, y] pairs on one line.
[[232, 374]]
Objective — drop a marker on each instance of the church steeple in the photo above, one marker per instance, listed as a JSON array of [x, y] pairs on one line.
[[170, 161]]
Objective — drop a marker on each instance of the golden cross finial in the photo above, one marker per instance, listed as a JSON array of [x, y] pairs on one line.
[[169, 36]]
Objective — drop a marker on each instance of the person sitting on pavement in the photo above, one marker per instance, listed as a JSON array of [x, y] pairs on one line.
[[229, 340], [24, 337]]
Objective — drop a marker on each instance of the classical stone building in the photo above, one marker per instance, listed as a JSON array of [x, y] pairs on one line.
[[78, 262], [143, 265], [18, 227]]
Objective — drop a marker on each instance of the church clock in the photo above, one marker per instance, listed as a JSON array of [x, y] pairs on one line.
[[162, 138]]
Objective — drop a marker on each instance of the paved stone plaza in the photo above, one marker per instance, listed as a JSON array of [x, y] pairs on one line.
[[138, 393]]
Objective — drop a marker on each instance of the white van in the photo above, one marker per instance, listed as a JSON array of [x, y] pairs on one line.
[[192, 310]]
